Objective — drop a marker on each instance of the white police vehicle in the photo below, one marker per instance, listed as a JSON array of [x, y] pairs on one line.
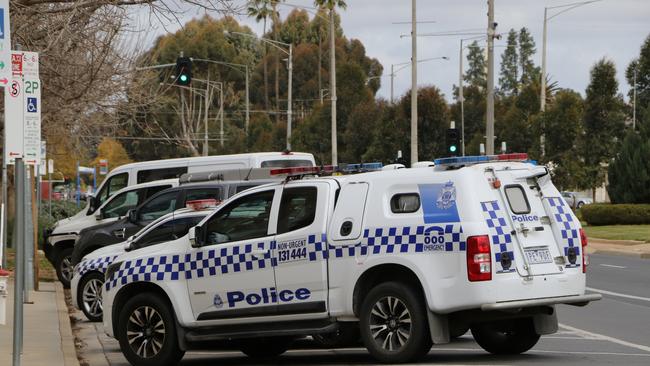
[[409, 257], [88, 279]]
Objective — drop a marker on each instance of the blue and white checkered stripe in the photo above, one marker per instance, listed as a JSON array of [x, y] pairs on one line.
[[563, 218], [234, 259], [500, 234], [98, 264], [212, 262]]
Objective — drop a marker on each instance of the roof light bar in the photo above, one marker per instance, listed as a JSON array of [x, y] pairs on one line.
[[198, 205], [362, 167], [468, 160], [303, 170]]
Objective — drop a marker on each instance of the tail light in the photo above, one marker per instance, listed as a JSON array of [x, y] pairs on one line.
[[479, 258], [585, 256]]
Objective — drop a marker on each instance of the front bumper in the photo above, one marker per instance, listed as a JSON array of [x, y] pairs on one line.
[[577, 300]]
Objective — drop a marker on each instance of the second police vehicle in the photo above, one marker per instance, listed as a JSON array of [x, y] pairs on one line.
[[408, 257]]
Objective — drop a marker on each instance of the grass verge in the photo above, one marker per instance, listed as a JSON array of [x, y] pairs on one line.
[[619, 232], [45, 270]]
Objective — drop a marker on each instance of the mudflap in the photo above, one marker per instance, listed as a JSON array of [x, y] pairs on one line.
[[546, 323], [438, 327]]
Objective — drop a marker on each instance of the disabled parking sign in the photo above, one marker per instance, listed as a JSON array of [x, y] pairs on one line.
[[32, 105]]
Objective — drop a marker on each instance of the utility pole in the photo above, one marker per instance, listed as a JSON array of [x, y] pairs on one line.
[[333, 86], [489, 131], [461, 100], [205, 118], [414, 84], [392, 81], [634, 101], [542, 93], [221, 113], [290, 99]]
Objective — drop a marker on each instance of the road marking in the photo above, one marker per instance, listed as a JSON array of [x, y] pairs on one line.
[[612, 266], [607, 338], [618, 294]]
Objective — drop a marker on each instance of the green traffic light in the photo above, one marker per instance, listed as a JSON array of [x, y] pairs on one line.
[[452, 148], [183, 78]]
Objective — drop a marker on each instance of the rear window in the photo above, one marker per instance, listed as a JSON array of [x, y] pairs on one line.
[[158, 174], [285, 163], [517, 199], [203, 194], [405, 203]]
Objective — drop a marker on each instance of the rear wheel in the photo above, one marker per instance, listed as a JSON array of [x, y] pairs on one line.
[[147, 332], [89, 296], [264, 347], [64, 267], [506, 337], [394, 325]]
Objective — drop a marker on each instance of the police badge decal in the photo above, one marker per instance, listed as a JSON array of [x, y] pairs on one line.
[[447, 196], [218, 302]]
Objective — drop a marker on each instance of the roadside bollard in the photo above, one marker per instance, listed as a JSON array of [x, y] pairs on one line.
[[4, 278]]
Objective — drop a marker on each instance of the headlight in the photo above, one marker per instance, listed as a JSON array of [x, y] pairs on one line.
[[114, 267]]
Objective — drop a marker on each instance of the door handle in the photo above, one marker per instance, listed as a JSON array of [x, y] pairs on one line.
[[259, 252]]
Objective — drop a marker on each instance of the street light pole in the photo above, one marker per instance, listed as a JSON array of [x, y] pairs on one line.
[[414, 84], [461, 99], [333, 87], [489, 130], [634, 102], [206, 104], [290, 107], [392, 82]]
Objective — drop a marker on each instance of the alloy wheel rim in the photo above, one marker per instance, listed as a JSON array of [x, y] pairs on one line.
[[92, 297], [390, 323], [66, 268], [145, 331]]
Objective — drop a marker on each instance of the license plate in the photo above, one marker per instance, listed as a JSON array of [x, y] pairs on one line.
[[538, 256]]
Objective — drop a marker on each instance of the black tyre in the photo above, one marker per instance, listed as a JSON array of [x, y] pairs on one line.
[[64, 267], [89, 296], [261, 348], [346, 335], [146, 331], [394, 325], [506, 337]]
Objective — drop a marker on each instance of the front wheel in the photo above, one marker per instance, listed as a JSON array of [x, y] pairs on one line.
[[394, 325], [89, 296], [147, 332], [506, 337], [64, 267]]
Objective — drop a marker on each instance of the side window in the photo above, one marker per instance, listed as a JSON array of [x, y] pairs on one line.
[[244, 187], [155, 189], [114, 184], [158, 174], [171, 230], [243, 219], [405, 203], [297, 208], [202, 194], [125, 201], [517, 199], [158, 206]]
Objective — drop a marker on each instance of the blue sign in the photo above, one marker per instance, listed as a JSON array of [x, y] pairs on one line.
[[32, 105], [2, 23], [439, 202]]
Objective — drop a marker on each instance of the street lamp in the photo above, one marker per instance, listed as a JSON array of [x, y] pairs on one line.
[[402, 66], [565, 8], [289, 53]]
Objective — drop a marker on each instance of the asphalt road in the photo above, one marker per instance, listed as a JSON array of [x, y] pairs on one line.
[[615, 330]]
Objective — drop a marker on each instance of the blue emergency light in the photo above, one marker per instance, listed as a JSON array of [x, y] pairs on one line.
[[468, 160]]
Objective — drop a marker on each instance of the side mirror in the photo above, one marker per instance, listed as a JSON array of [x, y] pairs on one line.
[[92, 203], [128, 246], [132, 216], [99, 215], [196, 237]]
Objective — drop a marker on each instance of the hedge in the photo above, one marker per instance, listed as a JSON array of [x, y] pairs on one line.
[[616, 214]]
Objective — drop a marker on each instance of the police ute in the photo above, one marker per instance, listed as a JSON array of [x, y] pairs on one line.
[[406, 257]]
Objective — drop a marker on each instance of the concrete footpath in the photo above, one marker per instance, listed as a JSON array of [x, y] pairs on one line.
[[48, 338], [631, 248]]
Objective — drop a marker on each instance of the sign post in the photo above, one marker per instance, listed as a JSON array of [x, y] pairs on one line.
[[50, 170], [5, 72]]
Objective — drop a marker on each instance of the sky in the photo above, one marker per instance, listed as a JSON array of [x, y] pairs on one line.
[[614, 29]]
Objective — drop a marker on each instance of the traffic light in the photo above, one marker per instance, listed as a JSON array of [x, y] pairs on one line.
[[183, 71], [453, 141]]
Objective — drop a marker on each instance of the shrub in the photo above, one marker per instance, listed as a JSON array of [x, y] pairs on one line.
[[616, 214]]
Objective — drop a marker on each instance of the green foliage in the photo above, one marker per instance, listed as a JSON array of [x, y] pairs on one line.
[[629, 173], [476, 72], [526, 51], [613, 214], [642, 66], [509, 78], [603, 121], [60, 211]]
